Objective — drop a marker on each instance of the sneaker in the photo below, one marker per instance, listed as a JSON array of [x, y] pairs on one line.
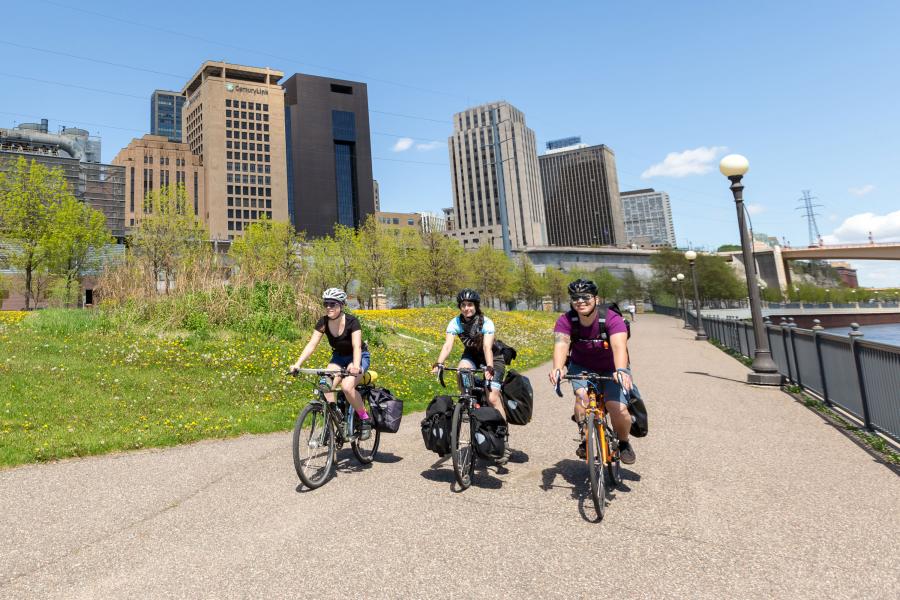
[[626, 453], [365, 429], [506, 452]]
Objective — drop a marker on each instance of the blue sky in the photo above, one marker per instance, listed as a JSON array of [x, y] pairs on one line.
[[808, 91]]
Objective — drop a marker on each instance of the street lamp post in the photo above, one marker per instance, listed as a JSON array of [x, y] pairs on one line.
[[765, 371], [691, 256], [680, 278]]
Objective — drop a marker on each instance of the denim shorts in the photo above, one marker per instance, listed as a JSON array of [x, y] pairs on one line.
[[344, 361], [612, 391]]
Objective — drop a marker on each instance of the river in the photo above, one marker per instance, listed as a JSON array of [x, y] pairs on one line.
[[886, 334]]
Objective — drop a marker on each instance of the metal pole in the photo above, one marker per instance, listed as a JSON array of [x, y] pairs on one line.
[[683, 305], [501, 188], [765, 371], [855, 334], [701, 334]]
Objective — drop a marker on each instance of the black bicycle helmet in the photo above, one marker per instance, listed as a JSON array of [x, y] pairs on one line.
[[582, 286], [468, 295]]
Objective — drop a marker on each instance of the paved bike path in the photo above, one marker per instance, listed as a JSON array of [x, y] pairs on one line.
[[737, 492]]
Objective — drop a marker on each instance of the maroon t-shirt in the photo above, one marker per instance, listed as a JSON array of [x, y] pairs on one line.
[[592, 355]]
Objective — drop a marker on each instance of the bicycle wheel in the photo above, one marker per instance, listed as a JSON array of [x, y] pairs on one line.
[[313, 445], [461, 446], [365, 450], [614, 468], [595, 467]]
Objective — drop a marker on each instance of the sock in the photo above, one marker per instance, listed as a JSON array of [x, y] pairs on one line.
[[362, 414]]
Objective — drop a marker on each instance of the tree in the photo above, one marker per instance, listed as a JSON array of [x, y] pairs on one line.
[[729, 248], [74, 243], [528, 284], [441, 261], [490, 272], [269, 250], [557, 285], [408, 261], [166, 232], [376, 250], [333, 260], [29, 194], [632, 287], [608, 285]]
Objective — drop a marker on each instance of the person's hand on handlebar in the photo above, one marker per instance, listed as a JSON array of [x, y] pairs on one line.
[[488, 373], [436, 368], [623, 378], [295, 368], [555, 375], [354, 370]]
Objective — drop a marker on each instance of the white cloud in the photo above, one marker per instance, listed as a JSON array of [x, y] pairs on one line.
[[755, 209], [403, 144], [682, 164], [428, 146], [862, 191], [878, 273], [884, 228]]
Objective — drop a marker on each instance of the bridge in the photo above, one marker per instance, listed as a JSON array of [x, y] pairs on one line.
[[737, 492]]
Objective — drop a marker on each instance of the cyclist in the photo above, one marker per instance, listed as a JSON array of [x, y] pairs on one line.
[[586, 354], [477, 334], [348, 352]]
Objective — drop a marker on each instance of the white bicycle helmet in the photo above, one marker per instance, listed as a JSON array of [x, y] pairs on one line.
[[336, 294]]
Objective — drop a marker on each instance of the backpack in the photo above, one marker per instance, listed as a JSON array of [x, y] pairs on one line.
[[508, 352], [575, 322], [471, 337], [386, 410], [518, 398], [638, 410], [489, 432], [436, 425]]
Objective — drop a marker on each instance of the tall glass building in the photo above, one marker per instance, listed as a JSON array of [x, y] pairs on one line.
[[648, 218], [329, 153], [165, 114]]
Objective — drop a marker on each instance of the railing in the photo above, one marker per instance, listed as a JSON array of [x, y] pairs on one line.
[[859, 376]]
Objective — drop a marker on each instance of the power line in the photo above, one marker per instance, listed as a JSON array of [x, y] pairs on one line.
[[72, 85], [251, 50], [93, 60]]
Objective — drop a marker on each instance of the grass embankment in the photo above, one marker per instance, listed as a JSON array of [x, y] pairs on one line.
[[75, 383]]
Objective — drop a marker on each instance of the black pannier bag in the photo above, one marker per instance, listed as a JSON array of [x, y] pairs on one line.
[[386, 410], [489, 432], [436, 425], [518, 398], [638, 410]]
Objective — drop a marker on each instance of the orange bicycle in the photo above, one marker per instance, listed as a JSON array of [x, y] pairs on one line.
[[601, 440]]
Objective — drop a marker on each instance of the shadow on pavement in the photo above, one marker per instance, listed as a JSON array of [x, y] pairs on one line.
[[714, 376], [387, 457], [442, 472], [574, 474]]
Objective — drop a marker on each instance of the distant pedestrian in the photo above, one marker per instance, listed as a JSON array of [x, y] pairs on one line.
[[632, 310]]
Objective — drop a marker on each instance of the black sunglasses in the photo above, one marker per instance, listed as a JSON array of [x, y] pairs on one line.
[[581, 298], [331, 304]]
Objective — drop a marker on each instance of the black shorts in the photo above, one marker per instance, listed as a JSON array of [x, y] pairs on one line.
[[477, 359]]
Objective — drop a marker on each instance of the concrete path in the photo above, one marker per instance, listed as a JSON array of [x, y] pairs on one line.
[[737, 493]]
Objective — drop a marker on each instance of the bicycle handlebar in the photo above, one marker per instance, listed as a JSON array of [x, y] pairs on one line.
[[321, 372], [586, 376], [442, 368]]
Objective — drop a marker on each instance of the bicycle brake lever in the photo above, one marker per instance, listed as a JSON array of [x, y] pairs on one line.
[[441, 376], [559, 384]]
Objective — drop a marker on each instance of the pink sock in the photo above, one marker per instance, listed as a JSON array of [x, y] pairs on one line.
[[362, 414]]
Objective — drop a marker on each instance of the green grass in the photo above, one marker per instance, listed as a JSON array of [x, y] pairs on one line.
[[76, 383]]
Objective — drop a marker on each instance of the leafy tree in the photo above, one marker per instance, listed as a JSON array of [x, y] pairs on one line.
[[376, 251], [74, 244], [608, 285], [632, 287], [729, 248], [269, 250], [440, 260], [333, 260], [166, 232], [529, 285], [29, 194], [715, 278], [408, 261], [490, 272], [557, 285]]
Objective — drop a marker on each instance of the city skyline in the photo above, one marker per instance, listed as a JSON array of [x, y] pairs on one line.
[[808, 111]]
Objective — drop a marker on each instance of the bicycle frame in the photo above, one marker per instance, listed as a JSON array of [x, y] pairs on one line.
[[594, 407]]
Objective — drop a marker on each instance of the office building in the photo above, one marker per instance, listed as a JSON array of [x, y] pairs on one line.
[[581, 197], [484, 138], [329, 153], [433, 222], [648, 218], [233, 119], [165, 114], [77, 153], [398, 220], [152, 162]]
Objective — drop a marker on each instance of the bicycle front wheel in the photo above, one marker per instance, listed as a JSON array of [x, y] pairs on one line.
[[313, 445], [462, 450], [365, 450], [595, 467]]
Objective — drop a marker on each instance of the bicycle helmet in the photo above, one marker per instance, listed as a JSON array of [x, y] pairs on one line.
[[468, 295], [336, 294], [582, 286]]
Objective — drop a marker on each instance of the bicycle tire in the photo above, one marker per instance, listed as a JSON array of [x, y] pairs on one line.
[[315, 418], [365, 451], [463, 458], [595, 468], [614, 467]]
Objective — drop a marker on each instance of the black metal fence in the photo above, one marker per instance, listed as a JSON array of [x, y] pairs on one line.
[[859, 376]]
